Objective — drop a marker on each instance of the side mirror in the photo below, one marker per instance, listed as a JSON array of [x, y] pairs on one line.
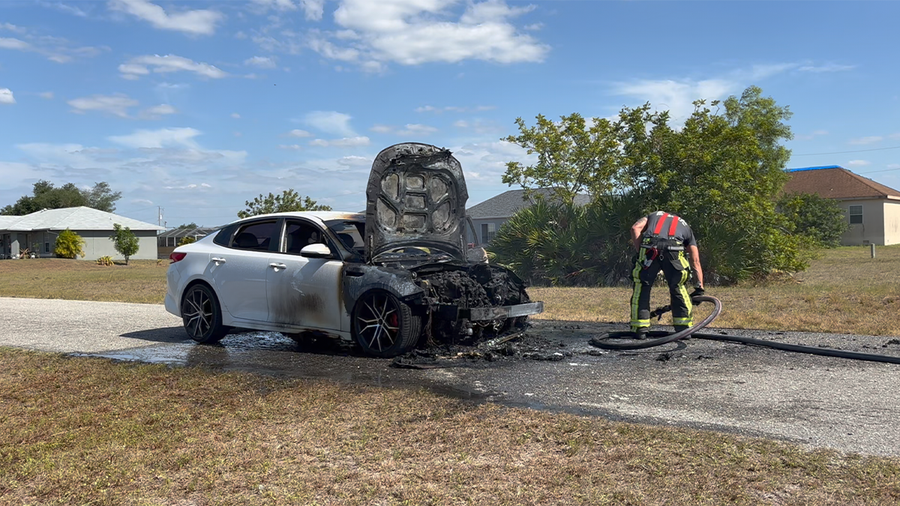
[[317, 250]]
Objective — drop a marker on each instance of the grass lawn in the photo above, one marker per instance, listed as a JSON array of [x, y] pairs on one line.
[[93, 431]]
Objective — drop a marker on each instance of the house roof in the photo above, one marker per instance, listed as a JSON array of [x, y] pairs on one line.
[[73, 218], [188, 232], [836, 182], [510, 202]]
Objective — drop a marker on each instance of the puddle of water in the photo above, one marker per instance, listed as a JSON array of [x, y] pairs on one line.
[[271, 353]]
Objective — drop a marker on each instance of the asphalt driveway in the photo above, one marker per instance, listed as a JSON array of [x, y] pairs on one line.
[[829, 402]]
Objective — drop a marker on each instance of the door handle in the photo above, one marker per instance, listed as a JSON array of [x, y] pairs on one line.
[[277, 266], [218, 260]]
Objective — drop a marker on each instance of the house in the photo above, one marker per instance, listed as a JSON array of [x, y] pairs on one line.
[[167, 241], [488, 216], [872, 209], [37, 232]]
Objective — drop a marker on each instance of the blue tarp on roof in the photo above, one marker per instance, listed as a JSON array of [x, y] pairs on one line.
[[801, 169]]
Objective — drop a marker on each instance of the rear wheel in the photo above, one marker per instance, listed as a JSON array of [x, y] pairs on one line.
[[384, 326], [202, 315]]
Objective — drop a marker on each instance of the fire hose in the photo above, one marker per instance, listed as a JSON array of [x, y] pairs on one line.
[[658, 338]]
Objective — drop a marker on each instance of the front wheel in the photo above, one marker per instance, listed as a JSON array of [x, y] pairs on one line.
[[384, 326], [202, 315]]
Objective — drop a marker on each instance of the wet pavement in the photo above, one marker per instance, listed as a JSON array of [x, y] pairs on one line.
[[848, 405]]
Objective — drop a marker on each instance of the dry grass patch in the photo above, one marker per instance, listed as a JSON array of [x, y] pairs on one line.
[[90, 431], [142, 281], [845, 291]]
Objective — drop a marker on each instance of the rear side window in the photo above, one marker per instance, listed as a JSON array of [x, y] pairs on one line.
[[223, 238], [256, 236]]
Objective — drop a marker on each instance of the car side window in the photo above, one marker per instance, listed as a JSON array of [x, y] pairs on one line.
[[255, 236], [299, 234]]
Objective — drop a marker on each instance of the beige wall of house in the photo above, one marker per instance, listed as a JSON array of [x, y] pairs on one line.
[[871, 222], [891, 222], [96, 244]]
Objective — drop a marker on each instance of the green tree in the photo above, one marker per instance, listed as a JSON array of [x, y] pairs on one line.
[[722, 171], [289, 200], [187, 240], [68, 245], [572, 156], [820, 219], [46, 196], [125, 241]]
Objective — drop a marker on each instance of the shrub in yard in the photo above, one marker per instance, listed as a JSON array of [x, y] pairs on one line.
[[187, 240], [69, 245], [107, 260]]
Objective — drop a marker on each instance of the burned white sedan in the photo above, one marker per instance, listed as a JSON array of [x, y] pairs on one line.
[[399, 275]]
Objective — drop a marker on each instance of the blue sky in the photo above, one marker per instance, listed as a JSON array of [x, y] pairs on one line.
[[195, 107]]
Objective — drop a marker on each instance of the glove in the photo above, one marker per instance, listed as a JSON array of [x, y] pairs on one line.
[[698, 292]]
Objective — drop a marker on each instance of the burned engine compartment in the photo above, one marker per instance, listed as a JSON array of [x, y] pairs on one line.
[[453, 294]]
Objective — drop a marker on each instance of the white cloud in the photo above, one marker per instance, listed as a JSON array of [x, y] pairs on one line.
[[355, 161], [292, 147], [164, 137], [893, 166], [382, 129], [6, 96], [298, 133], [194, 22], [676, 96], [811, 136], [116, 104], [157, 111], [371, 35], [12, 28], [346, 142], [55, 49], [454, 108], [313, 9], [143, 65], [278, 5], [828, 67], [235, 115], [331, 122], [867, 140], [10, 43], [894, 136], [263, 62], [47, 95], [858, 163]]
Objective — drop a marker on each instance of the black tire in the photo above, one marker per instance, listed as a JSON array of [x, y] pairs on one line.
[[383, 326], [202, 315]]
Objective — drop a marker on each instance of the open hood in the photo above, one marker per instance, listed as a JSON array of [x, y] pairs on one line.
[[416, 197]]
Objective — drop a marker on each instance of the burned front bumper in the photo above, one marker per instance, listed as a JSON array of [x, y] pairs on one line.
[[486, 314]]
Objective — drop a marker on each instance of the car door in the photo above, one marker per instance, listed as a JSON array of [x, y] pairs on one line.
[[238, 272], [302, 291]]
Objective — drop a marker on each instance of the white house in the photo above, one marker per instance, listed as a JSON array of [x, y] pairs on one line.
[[37, 232]]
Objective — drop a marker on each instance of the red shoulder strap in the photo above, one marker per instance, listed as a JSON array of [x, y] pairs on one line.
[[673, 226], [659, 224]]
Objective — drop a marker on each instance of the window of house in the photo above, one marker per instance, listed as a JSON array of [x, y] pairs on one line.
[[46, 247], [488, 231], [856, 215]]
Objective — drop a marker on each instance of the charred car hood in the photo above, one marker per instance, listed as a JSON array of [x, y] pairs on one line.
[[416, 197]]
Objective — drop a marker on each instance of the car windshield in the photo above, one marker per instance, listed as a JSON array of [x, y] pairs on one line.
[[350, 233], [420, 253]]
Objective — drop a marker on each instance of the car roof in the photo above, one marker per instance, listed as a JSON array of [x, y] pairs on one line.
[[314, 215]]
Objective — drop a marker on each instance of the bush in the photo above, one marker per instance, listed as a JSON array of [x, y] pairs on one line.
[[69, 245], [187, 240], [107, 260], [819, 219]]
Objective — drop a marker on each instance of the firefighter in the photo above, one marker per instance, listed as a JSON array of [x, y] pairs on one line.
[[661, 240]]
